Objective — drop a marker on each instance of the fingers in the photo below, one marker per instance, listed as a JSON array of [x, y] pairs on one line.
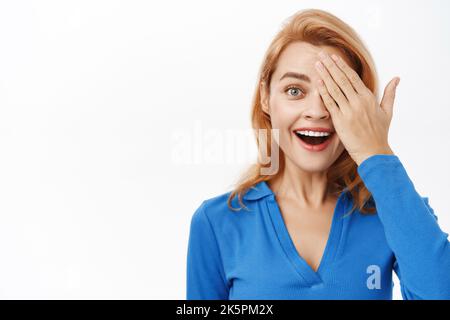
[[351, 74], [338, 76], [331, 86], [387, 102], [328, 100]]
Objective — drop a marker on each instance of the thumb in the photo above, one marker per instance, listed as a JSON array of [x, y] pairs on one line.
[[387, 103]]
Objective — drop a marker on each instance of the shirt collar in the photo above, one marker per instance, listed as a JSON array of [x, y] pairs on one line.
[[261, 190], [258, 191]]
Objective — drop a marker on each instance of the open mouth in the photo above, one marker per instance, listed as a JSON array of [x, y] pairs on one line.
[[313, 140]]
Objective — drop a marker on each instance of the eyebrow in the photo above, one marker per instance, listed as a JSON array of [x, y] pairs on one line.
[[295, 75]]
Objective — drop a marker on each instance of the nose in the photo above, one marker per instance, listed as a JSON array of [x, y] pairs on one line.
[[316, 109]]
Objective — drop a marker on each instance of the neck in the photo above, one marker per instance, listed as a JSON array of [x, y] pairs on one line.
[[307, 189]]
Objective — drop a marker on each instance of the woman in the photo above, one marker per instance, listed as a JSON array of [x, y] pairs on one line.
[[339, 212]]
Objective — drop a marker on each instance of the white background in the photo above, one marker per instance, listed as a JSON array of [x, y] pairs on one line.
[[92, 203]]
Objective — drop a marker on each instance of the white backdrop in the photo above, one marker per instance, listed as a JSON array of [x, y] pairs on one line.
[[99, 98]]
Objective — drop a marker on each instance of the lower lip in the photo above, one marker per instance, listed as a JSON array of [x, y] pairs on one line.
[[318, 147]]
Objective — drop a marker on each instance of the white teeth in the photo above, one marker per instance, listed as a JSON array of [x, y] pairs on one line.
[[313, 133]]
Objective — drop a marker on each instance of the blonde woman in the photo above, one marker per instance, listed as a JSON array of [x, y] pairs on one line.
[[339, 213]]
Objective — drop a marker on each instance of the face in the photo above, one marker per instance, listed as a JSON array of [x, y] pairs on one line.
[[295, 103]]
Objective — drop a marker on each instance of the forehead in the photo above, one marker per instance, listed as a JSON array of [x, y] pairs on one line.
[[300, 56]]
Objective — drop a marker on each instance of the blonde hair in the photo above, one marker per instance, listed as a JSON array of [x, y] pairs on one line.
[[318, 28]]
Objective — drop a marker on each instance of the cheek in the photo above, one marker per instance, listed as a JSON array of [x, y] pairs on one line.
[[278, 114], [284, 113], [282, 121]]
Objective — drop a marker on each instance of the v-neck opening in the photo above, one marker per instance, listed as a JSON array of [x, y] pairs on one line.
[[306, 272]]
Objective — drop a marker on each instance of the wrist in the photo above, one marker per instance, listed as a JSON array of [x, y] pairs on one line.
[[387, 150]]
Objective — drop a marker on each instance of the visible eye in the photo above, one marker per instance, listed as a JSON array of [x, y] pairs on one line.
[[295, 90]]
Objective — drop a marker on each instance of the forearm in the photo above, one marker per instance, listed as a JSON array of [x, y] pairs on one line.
[[412, 232]]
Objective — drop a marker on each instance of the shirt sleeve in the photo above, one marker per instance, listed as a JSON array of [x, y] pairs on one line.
[[421, 248], [205, 274]]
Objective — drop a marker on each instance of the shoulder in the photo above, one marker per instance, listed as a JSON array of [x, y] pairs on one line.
[[216, 210], [217, 204], [214, 221], [426, 200]]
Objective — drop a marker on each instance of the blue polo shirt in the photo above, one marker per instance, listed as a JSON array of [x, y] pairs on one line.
[[250, 254]]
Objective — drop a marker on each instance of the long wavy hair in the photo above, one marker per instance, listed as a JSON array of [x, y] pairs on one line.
[[319, 28]]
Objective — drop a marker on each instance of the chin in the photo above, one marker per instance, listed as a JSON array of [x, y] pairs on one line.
[[315, 161], [316, 166]]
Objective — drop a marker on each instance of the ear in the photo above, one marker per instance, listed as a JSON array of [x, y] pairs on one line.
[[264, 91]]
